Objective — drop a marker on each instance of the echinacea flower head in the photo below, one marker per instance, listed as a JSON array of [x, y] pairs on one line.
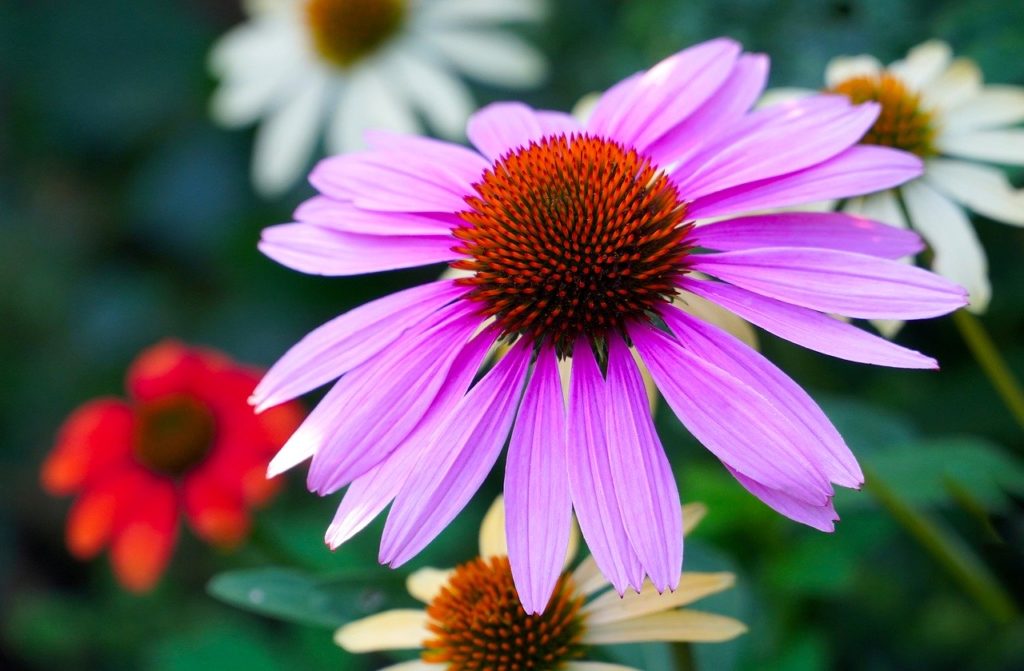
[[474, 621], [938, 108], [184, 442], [333, 68], [576, 239]]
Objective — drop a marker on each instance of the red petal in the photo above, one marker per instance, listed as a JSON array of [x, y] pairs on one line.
[[145, 531], [217, 514], [96, 437], [279, 423], [165, 368], [91, 518]]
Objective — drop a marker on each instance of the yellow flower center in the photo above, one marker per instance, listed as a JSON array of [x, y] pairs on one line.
[[345, 31], [903, 122], [173, 434], [478, 623]]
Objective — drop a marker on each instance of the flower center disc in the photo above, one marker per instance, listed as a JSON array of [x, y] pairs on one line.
[[345, 31], [571, 236], [174, 434], [478, 623], [903, 123]]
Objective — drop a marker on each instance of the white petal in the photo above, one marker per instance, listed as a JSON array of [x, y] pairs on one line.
[[781, 95], [881, 206], [956, 86], [465, 12], [371, 101], [958, 254], [888, 328], [923, 63], [491, 56], [426, 583], [693, 513], [390, 630], [842, 68], [998, 146], [884, 207], [492, 531], [286, 139], [610, 607], [675, 625], [246, 51], [415, 665], [236, 104], [445, 101], [980, 188], [994, 106], [588, 577]]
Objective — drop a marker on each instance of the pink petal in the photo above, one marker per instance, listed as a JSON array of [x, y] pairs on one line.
[[644, 484], [737, 94], [773, 141], [394, 181], [370, 493], [322, 251], [808, 328], [827, 230], [859, 170], [344, 216], [591, 483], [537, 504], [347, 341], [460, 453], [855, 285], [381, 402], [499, 128], [818, 439], [822, 518], [468, 164], [639, 114], [737, 424]]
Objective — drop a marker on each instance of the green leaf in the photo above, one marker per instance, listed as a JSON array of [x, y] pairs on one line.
[[866, 428], [939, 471], [296, 596]]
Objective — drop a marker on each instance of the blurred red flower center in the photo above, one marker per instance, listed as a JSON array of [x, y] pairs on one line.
[[477, 622], [903, 122], [173, 434], [344, 31], [572, 236]]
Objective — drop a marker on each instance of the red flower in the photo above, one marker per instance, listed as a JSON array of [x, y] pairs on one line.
[[186, 442]]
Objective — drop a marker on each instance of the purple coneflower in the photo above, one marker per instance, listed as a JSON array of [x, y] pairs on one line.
[[576, 237]]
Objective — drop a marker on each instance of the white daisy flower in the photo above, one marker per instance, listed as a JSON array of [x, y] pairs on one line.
[[939, 109], [338, 67], [473, 617]]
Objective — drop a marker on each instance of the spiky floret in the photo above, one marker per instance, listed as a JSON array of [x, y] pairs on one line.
[[478, 623], [903, 123], [344, 31], [572, 236]]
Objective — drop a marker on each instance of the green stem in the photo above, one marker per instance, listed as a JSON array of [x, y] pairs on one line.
[[992, 362], [682, 653], [948, 550]]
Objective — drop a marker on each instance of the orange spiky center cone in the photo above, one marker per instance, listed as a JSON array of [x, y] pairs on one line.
[[903, 123], [477, 623], [572, 236]]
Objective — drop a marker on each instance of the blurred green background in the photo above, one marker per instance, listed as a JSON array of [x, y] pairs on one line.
[[126, 216]]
